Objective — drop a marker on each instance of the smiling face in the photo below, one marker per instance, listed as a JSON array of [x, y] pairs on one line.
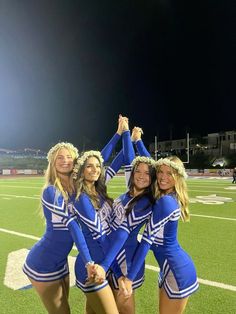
[[64, 162], [141, 177], [165, 179], [92, 170]]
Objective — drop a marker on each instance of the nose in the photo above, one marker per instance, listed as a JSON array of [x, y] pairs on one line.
[[93, 169], [162, 175], [66, 160]]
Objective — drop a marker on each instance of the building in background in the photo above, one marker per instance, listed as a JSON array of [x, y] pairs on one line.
[[213, 145]]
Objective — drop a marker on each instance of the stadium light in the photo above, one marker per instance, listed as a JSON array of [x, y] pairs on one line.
[[187, 150]]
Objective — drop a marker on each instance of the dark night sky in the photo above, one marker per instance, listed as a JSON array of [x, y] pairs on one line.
[[68, 68]]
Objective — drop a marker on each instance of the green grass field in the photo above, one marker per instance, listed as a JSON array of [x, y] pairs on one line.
[[210, 239]]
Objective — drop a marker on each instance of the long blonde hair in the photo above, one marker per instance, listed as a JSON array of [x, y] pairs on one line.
[[179, 176], [51, 176]]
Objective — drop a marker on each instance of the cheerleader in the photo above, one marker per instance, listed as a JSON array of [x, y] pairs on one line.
[[177, 278], [46, 265], [93, 208], [131, 211]]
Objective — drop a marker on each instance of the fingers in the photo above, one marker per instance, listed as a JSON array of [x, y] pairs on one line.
[[100, 272], [136, 133], [129, 287], [122, 288], [123, 124], [96, 274], [125, 287], [91, 270], [121, 118], [138, 129]]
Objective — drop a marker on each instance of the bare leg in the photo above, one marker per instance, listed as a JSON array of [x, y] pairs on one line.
[[54, 295], [66, 281], [124, 305], [171, 306], [88, 309], [101, 301]]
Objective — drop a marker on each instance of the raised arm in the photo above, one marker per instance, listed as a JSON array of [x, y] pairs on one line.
[[107, 150], [128, 152], [137, 140], [114, 166]]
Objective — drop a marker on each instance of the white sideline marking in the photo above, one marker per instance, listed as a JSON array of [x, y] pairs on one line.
[[154, 268], [213, 217], [15, 277]]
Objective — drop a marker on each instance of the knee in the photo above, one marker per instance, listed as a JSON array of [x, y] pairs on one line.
[[126, 307]]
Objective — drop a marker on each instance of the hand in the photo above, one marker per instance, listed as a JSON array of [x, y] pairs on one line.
[[96, 274], [125, 287], [136, 134], [123, 124]]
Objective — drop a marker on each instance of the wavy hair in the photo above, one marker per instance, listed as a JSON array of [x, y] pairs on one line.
[[51, 176], [148, 192], [100, 186], [180, 186]]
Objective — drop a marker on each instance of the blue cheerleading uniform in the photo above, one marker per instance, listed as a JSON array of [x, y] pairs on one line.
[[106, 153], [123, 239], [141, 149], [107, 150], [96, 223], [47, 260], [177, 272], [125, 229]]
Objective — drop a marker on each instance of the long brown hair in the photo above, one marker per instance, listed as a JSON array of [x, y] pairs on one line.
[[148, 192], [100, 186]]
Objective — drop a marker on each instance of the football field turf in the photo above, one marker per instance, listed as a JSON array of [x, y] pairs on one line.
[[209, 238]]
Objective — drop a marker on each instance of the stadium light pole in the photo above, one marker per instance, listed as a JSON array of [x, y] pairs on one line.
[[155, 147], [187, 162]]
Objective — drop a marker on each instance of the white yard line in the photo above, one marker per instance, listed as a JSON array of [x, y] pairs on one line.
[[214, 217], [150, 267], [212, 191], [20, 186], [118, 193], [19, 196], [19, 234]]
